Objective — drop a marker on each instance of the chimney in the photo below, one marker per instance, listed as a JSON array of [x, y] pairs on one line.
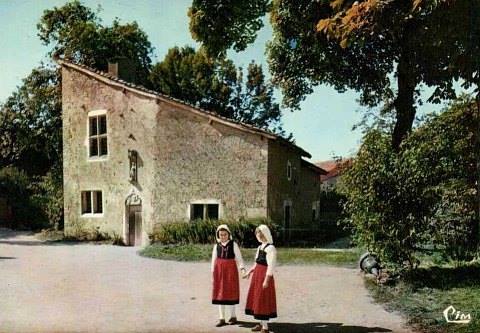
[[113, 68], [122, 68]]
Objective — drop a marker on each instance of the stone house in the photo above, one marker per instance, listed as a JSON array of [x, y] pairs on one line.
[[134, 158]]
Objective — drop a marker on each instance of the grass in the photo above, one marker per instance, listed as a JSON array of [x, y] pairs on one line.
[[423, 296], [203, 252]]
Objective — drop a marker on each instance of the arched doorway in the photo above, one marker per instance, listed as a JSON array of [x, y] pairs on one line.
[[133, 220]]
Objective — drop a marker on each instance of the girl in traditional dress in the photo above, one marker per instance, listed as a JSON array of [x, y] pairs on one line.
[[261, 299], [226, 256]]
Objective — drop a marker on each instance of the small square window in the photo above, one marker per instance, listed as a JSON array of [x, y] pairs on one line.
[[203, 211], [92, 202]]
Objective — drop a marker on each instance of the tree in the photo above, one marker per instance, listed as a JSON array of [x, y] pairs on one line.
[[75, 33], [425, 194], [355, 45], [217, 85], [30, 122]]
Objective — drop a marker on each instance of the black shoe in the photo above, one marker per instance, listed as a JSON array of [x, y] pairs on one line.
[[221, 323], [232, 321], [257, 328]]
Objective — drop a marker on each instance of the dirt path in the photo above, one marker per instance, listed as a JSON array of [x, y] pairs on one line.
[[102, 288]]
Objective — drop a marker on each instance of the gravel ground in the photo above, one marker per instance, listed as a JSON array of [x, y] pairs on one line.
[[72, 287]]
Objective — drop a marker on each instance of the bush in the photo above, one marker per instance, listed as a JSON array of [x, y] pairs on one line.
[[16, 187], [203, 232], [399, 202], [48, 195], [78, 232]]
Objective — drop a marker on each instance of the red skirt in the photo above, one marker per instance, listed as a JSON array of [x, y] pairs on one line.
[[225, 282], [261, 303]]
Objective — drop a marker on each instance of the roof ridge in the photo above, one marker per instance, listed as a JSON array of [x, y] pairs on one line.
[[130, 85]]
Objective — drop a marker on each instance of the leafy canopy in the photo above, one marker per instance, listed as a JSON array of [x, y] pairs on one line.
[[356, 45], [30, 123], [75, 32]]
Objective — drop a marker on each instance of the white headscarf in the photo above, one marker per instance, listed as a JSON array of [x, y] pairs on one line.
[[266, 233], [224, 227]]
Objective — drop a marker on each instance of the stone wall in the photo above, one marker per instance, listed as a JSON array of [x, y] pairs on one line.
[[280, 188], [183, 157], [130, 125], [202, 160]]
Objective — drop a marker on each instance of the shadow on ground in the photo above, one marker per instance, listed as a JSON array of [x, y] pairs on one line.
[[444, 278], [278, 327]]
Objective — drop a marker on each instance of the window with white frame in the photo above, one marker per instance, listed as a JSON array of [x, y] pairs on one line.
[[204, 211], [289, 170], [92, 202], [97, 135]]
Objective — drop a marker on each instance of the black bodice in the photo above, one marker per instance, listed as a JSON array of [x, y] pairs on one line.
[[225, 251], [262, 256]]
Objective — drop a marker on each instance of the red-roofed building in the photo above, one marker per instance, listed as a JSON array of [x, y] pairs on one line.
[[333, 168]]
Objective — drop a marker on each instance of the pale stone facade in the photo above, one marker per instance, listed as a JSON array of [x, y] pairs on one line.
[[158, 160]]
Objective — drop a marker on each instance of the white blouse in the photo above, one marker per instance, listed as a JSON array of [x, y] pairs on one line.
[[236, 251]]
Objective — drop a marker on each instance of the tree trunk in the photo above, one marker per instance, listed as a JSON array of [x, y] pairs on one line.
[[477, 154], [404, 103]]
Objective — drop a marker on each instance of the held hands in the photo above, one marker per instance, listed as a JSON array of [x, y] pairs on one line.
[[246, 275]]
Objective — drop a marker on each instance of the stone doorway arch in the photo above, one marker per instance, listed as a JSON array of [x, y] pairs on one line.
[[133, 226]]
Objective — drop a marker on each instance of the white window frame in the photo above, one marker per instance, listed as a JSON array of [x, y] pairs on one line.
[[205, 202], [92, 202], [98, 158]]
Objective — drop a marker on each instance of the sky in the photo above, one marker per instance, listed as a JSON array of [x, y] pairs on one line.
[[323, 125]]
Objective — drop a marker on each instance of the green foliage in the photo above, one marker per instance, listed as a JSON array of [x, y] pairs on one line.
[[217, 85], [376, 207], [203, 232], [48, 194], [77, 231], [236, 23], [355, 45], [74, 32], [398, 203], [31, 124], [37, 202], [442, 155], [15, 187]]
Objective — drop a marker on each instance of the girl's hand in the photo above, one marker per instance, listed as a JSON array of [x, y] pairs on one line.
[[244, 272], [265, 283], [246, 276]]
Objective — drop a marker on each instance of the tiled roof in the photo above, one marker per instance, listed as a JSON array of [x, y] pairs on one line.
[[154, 94], [332, 167]]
